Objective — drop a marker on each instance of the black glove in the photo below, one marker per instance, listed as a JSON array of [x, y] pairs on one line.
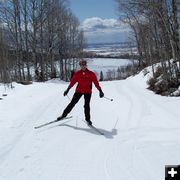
[[66, 91], [101, 94]]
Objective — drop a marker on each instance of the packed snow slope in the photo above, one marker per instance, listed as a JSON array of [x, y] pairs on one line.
[[142, 133]]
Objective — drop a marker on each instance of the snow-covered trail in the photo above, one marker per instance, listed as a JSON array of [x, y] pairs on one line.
[[144, 140]]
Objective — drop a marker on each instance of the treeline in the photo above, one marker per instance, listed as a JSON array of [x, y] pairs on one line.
[[38, 39], [119, 56], [155, 25]]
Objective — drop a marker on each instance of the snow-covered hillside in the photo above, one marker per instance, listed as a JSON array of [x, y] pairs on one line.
[[141, 133], [111, 49]]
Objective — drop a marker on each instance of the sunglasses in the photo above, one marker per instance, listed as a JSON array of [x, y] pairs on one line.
[[83, 65]]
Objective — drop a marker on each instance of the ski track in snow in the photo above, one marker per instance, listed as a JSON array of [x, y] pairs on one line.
[[140, 144]]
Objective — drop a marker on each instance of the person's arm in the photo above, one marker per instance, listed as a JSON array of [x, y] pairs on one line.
[[96, 83], [73, 81]]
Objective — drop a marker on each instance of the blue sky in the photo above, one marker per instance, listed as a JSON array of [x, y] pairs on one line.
[[89, 8], [99, 20]]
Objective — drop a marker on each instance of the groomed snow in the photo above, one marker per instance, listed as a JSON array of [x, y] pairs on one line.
[[141, 133]]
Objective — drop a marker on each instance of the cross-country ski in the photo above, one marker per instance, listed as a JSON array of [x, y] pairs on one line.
[[93, 128], [96, 129], [51, 122]]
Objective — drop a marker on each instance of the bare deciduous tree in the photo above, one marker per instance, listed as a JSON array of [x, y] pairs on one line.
[[40, 34], [156, 30]]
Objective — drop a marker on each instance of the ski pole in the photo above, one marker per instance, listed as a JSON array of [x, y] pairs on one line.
[[108, 98], [116, 123], [68, 97]]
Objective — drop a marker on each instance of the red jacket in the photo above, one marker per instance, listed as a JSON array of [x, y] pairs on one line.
[[84, 80]]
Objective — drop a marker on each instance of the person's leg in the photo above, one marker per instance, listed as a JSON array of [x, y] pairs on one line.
[[87, 98], [73, 102]]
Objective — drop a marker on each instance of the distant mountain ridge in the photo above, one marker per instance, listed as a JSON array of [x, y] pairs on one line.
[[111, 50], [111, 44]]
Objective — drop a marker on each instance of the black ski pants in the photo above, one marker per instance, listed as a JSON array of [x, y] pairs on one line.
[[75, 99]]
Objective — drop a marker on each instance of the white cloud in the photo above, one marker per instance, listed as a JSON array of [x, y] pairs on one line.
[[98, 29]]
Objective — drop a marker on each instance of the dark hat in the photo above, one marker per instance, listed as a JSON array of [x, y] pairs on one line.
[[82, 62]]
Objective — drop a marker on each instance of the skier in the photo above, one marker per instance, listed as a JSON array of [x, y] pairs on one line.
[[84, 77]]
